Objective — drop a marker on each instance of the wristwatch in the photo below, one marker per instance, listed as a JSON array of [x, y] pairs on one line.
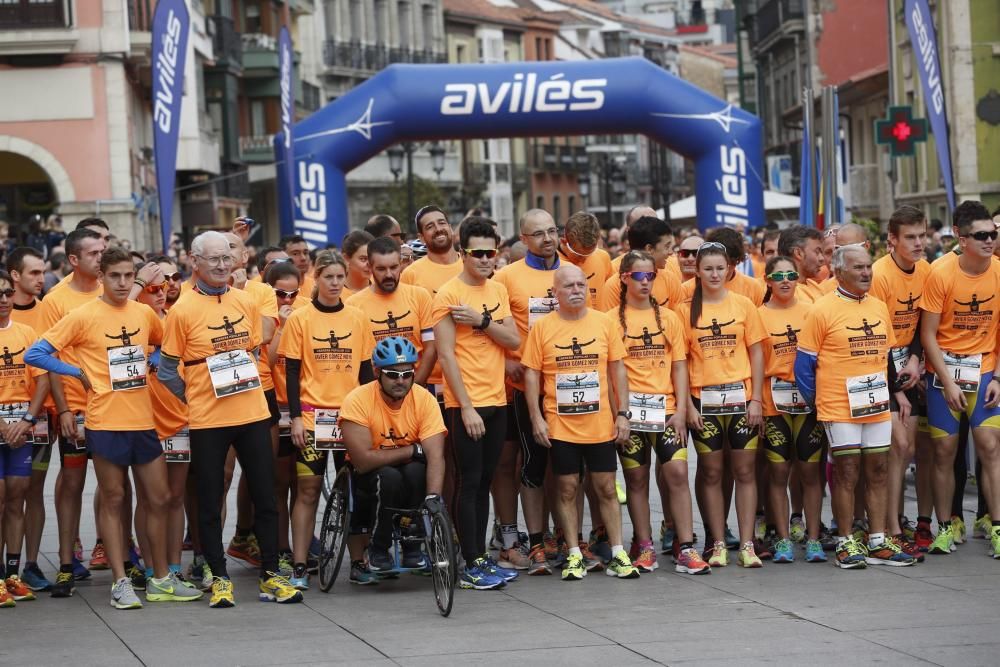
[[627, 414], [30, 419], [485, 323]]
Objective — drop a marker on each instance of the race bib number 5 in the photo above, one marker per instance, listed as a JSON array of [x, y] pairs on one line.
[[232, 372], [867, 395], [578, 393]]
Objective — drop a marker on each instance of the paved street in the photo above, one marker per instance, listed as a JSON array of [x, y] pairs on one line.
[[942, 612]]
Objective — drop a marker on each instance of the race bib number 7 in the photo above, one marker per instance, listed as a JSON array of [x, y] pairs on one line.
[[578, 393], [724, 399]]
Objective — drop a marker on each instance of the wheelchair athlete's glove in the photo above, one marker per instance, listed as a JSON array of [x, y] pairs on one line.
[[434, 503], [418, 454]]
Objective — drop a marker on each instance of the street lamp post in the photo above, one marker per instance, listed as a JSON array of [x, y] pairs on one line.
[[396, 154], [615, 184]]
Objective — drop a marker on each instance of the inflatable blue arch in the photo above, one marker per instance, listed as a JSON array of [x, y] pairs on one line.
[[610, 96]]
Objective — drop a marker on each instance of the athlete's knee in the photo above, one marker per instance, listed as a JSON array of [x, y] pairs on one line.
[[112, 499], [710, 473], [876, 469]]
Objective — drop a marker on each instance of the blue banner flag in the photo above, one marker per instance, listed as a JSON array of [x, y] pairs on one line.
[[920, 23], [170, 36], [284, 158], [807, 213]]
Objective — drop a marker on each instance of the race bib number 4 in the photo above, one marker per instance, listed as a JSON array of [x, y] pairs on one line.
[[787, 397], [867, 395], [327, 431], [964, 369], [724, 399], [649, 412], [578, 393], [232, 372], [177, 449], [127, 367]]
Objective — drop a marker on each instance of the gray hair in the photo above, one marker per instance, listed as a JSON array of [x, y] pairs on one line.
[[839, 260], [198, 244]]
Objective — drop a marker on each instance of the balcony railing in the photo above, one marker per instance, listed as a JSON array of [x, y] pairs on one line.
[[771, 15], [140, 15], [236, 186], [226, 41], [550, 157], [25, 15], [257, 148], [373, 57]]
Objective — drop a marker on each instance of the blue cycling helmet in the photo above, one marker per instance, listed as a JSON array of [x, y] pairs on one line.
[[394, 350]]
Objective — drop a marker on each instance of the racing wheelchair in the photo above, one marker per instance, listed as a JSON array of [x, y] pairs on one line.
[[431, 527]]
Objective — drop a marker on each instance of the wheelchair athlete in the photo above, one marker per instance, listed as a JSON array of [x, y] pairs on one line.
[[395, 438]]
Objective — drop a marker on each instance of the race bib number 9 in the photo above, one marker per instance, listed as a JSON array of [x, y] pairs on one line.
[[177, 449], [964, 369], [867, 395], [649, 412], [127, 367], [232, 372], [787, 397], [724, 399], [327, 431], [578, 393]]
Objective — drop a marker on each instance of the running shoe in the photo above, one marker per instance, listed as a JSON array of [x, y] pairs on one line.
[[759, 526], [574, 570], [361, 575], [496, 537], [285, 565], [379, 560], [851, 555], [860, 531], [299, 579], [888, 553], [137, 576], [207, 578], [515, 558], [783, 552], [170, 589], [134, 554], [908, 547], [78, 549], [666, 538], [995, 542], [6, 599], [80, 571], [720, 555], [983, 527], [99, 557], [18, 589], [591, 561], [797, 529], [414, 558], [620, 491], [923, 536], [245, 549], [620, 566], [732, 542], [315, 548], [63, 588], [815, 552], [222, 593], [476, 577], [277, 588], [34, 578], [551, 546], [958, 529], [598, 545], [827, 538], [748, 558], [491, 566], [908, 528], [646, 560], [538, 565], [944, 542], [764, 548], [689, 561], [633, 549], [123, 595]]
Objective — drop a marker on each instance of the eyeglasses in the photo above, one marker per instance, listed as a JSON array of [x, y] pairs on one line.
[[224, 260], [174, 277], [687, 252], [983, 235], [778, 276], [711, 244], [481, 253], [639, 276], [398, 375], [284, 294], [7, 293], [543, 233], [155, 289]]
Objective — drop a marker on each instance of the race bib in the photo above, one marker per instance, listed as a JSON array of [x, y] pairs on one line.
[[649, 412], [41, 430], [539, 307], [327, 431], [867, 395], [232, 372], [177, 448], [899, 356], [578, 393], [81, 432], [127, 367], [284, 422], [787, 397], [724, 399], [964, 369], [11, 413]]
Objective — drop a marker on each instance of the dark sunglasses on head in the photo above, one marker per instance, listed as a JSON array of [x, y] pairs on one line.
[[398, 375], [778, 276], [983, 235], [639, 276], [7, 293], [176, 277], [154, 289], [284, 294], [687, 252], [481, 253]]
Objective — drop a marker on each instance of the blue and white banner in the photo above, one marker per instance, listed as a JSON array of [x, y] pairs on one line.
[[171, 23], [923, 37], [285, 158]]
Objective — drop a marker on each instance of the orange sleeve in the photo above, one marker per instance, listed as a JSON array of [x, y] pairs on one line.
[[756, 331], [431, 422], [616, 347], [290, 346], [531, 355], [155, 327], [674, 333], [173, 333], [813, 331], [934, 296], [67, 332]]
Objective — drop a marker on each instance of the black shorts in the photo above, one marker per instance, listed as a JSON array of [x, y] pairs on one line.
[[535, 457], [641, 444], [310, 461], [272, 406], [720, 429], [572, 459], [285, 446], [793, 435], [125, 448], [916, 400]]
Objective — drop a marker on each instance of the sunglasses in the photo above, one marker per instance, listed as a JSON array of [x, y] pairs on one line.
[[175, 277], [711, 244], [398, 375], [7, 293], [155, 289], [687, 252], [481, 253], [284, 294], [983, 235], [778, 276], [639, 276]]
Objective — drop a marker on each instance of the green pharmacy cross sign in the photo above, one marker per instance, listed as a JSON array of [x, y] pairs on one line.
[[901, 131]]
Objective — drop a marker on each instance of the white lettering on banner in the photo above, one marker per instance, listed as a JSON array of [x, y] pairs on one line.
[[166, 74], [524, 95], [928, 54], [311, 202], [733, 187], [286, 103]]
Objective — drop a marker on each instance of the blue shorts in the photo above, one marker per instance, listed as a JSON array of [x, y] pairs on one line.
[[943, 422], [124, 448], [15, 462]]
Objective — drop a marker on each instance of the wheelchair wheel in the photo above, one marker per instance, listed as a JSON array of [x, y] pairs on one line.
[[440, 547], [328, 479], [335, 530]]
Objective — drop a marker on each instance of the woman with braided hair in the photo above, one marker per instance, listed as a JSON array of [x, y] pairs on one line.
[[657, 373]]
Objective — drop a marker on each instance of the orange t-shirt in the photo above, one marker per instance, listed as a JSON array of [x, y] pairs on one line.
[[30, 315], [418, 418], [849, 339], [93, 330], [201, 325], [572, 357], [54, 307], [406, 312], [170, 415], [331, 347], [808, 291], [719, 346], [431, 276], [900, 292], [651, 349], [968, 308], [740, 284], [17, 380], [666, 290], [267, 303], [480, 359], [783, 325], [531, 298], [596, 267]]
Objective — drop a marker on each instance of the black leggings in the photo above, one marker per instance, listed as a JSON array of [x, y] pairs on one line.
[[399, 487], [209, 447], [475, 462]]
